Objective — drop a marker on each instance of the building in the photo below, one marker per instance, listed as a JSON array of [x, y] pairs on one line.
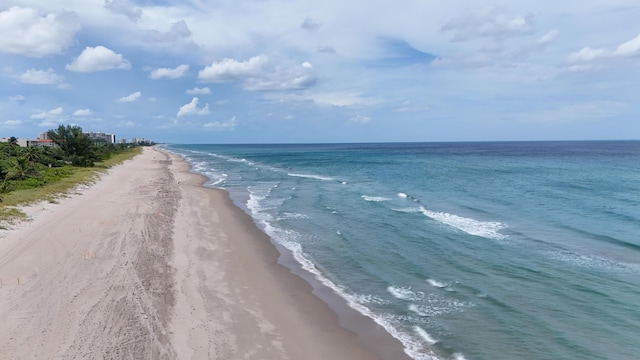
[[31, 142], [100, 136]]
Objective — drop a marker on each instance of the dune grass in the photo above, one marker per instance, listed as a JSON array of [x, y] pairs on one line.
[[73, 177]]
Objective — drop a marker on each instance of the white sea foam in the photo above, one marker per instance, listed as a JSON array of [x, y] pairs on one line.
[[370, 299], [434, 306], [425, 335], [217, 182], [310, 176], [258, 202], [402, 195], [409, 210], [374, 198], [486, 229], [458, 356], [413, 347], [405, 293], [593, 262], [436, 283], [290, 215]]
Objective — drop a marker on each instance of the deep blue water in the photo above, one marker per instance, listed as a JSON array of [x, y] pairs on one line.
[[523, 250]]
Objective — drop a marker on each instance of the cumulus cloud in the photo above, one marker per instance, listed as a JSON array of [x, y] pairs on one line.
[[25, 32], [98, 58], [228, 125], [191, 109], [168, 73], [587, 54], [130, 98], [490, 22], [231, 69], [83, 112], [44, 114], [124, 7], [49, 118], [40, 77], [17, 98], [295, 78], [199, 91]]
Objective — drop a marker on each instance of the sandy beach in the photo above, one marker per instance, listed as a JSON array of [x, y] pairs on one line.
[[149, 264]]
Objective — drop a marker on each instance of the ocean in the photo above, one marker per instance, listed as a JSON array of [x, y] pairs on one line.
[[487, 250]]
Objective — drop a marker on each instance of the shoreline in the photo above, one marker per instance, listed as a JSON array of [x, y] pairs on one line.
[[332, 319], [149, 263]]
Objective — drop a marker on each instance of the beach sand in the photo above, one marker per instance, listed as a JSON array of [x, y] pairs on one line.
[[149, 264]]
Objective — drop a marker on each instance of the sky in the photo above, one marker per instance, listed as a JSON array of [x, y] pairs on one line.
[[276, 71]]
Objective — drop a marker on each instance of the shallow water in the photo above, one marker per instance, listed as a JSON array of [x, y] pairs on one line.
[[527, 250]]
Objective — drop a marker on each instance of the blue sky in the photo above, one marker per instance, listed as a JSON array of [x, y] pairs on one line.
[[276, 71]]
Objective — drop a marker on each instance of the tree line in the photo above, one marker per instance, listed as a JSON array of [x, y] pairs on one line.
[[34, 166]]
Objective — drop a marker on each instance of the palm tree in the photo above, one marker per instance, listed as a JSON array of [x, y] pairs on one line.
[[32, 153], [20, 168], [13, 145]]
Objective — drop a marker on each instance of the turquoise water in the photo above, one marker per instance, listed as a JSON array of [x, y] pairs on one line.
[[524, 250]]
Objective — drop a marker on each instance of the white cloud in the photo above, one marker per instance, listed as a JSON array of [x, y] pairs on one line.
[[199, 91], [629, 48], [51, 117], [255, 78], [587, 54], [12, 122], [124, 7], [130, 98], [191, 109], [168, 73], [231, 69], [489, 22], [127, 124], [47, 114], [408, 107], [548, 37], [83, 112], [295, 78], [360, 119], [25, 32], [339, 99], [17, 98], [228, 125], [40, 77], [626, 49], [98, 58], [581, 68]]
